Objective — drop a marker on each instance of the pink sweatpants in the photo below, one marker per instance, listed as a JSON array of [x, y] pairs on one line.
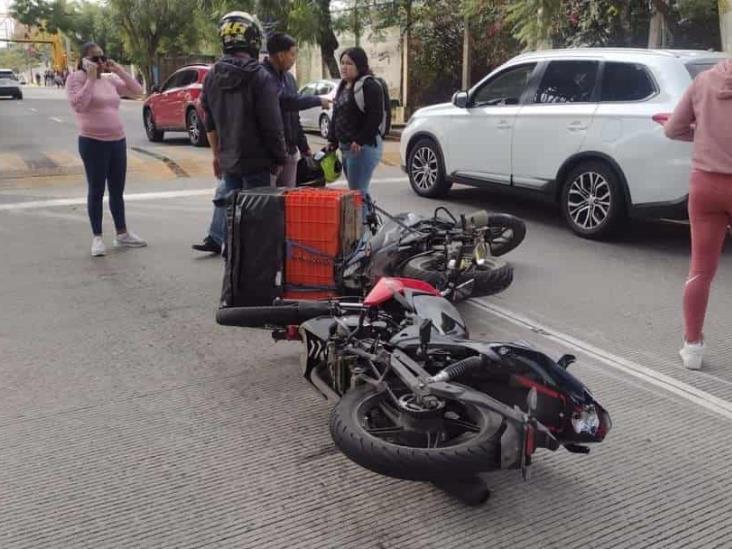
[[710, 213]]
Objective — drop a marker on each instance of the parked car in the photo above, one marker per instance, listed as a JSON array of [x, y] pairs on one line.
[[176, 106], [583, 127], [318, 118], [9, 85]]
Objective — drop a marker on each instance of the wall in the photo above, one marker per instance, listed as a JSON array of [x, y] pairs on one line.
[[384, 57]]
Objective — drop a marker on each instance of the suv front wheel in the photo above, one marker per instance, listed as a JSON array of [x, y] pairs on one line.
[[426, 170], [592, 200]]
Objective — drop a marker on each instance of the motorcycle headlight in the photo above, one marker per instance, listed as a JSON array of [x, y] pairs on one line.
[[585, 420]]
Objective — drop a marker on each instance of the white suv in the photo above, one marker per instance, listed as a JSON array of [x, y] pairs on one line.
[[583, 127]]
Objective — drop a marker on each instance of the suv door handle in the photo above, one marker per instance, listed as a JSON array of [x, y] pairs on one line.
[[577, 126], [503, 125]]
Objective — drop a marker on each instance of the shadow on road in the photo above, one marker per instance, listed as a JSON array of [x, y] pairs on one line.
[[663, 236]]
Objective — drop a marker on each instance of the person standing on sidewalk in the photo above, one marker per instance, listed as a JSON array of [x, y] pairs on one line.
[[355, 130], [703, 116], [242, 117], [282, 50], [102, 143]]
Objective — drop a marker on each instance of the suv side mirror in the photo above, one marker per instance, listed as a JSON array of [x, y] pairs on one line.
[[460, 99], [155, 89]]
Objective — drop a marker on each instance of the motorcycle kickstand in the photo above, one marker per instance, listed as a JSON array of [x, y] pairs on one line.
[[471, 491]]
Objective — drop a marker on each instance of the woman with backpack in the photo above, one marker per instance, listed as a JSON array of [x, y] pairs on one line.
[[358, 121]]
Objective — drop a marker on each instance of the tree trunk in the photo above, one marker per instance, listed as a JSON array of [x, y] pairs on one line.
[[663, 26], [327, 39], [725, 24]]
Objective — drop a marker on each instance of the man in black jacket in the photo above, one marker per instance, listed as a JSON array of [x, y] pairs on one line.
[[282, 50], [242, 117]]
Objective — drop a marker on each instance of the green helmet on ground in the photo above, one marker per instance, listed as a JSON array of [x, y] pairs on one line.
[[330, 164]]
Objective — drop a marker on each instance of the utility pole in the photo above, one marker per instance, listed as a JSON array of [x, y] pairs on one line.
[[466, 54]]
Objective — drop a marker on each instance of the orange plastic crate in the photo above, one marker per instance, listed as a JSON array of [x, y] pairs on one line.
[[304, 268], [313, 217]]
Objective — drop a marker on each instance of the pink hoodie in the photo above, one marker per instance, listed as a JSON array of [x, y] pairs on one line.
[[704, 116], [96, 103]]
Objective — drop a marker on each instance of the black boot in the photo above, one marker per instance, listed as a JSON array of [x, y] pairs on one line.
[[208, 245]]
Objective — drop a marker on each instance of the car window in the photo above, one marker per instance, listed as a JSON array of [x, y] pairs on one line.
[[626, 82], [567, 82], [695, 69], [308, 90], [505, 88], [324, 89], [171, 82], [9, 75], [187, 78]]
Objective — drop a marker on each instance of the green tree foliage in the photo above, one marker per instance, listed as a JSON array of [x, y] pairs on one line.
[[150, 27]]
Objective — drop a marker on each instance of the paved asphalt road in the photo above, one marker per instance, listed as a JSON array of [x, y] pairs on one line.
[[130, 419]]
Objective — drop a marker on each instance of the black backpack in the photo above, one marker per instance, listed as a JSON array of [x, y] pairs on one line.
[[385, 126]]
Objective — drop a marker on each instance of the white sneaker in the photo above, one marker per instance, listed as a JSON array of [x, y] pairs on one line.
[[691, 354], [129, 240], [98, 248]]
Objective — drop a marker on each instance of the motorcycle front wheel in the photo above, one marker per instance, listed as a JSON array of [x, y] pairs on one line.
[[494, 276], [400, 440]]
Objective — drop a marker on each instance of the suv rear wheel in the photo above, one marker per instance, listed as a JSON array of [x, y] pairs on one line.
[[592, 200], [426, 169]]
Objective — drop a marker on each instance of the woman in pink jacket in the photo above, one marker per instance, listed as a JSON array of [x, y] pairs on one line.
[[703, 116], [102, 143]]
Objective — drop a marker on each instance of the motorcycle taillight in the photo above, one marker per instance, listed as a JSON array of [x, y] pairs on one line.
[[293, 332]]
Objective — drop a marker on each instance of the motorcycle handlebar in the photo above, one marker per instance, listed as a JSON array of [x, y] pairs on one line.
[[275, 315]]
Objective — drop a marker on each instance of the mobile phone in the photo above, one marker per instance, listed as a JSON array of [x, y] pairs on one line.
[[86, 64]]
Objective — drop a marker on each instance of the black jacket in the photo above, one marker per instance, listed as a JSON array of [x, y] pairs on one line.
[[291, 102], [240, 103], [349, 124]]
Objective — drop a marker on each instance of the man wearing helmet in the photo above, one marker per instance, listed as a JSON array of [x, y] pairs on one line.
[[242, 118]]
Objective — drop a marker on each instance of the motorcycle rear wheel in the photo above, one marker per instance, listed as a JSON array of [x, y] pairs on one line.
[[493, 277], [456, 441]]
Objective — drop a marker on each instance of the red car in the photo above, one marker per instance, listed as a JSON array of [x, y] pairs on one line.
[[176, 106]]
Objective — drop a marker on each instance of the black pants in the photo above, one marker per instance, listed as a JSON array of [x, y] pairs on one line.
[[105, 163]]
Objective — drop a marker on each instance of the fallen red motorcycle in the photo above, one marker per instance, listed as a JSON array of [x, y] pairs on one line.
[[416, 399]]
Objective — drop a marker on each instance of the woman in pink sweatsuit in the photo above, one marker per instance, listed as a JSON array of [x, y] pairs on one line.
[[704, 116], [102, 144]]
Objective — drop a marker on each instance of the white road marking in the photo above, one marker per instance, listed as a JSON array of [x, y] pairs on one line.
[[56, 119], [31, 109], [692, 394], [35, 204]]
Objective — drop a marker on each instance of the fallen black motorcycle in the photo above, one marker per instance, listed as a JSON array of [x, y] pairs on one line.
[[416, 399], [442, 250]]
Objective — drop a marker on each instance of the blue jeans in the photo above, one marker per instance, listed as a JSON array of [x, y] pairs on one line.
[[359, 167], [226, 186], [105, 164]]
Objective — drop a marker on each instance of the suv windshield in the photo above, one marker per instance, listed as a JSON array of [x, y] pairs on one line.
[[695, 69], [7, 75]]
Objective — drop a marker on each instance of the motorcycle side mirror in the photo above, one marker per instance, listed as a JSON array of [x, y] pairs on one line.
[[566, 360]]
